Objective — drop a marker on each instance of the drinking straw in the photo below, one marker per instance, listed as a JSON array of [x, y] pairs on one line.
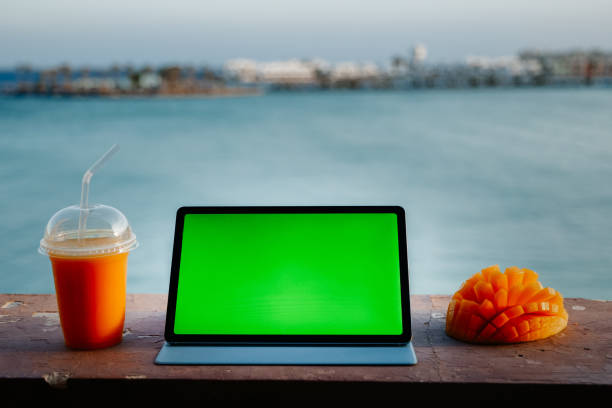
[[85, 186]]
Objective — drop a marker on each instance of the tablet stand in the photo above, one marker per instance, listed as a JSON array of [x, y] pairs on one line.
[[286, 355]]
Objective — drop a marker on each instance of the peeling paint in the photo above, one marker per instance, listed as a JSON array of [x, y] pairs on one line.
[[438, 315], [135, 377], [577, 307], [12, 304], [9, 319], [57, 379], [50, 329], [51, 320], [51, 317]]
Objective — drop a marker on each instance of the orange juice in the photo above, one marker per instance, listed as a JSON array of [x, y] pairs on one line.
[[90, 270], [88, 246], [91, 298]]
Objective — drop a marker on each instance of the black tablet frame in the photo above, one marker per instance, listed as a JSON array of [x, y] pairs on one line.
[[261, 339]]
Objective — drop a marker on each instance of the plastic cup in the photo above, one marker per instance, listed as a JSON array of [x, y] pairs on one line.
[[89, 265]]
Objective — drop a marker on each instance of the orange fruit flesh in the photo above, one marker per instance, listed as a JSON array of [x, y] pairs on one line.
[[509, 307]]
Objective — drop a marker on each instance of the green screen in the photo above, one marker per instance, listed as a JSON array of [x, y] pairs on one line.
[[300, 274]]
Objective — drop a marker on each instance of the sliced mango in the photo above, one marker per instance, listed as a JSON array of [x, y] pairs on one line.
[[529, 291], [490, 271], [509, 307], [499, 281], [515, 276], [484, 291], [500, 299], [514, 293], [487, 309]]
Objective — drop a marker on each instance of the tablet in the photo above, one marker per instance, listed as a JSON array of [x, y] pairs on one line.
[[289, 275]]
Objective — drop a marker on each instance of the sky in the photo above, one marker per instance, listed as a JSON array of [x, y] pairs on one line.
[[45, 33]]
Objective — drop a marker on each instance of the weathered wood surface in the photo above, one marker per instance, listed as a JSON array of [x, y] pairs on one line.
[[32, 349]]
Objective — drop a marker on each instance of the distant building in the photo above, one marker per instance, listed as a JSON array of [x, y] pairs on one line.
[[291, 72], [419, 54], [354, 71], [149, 80], [244, 70], [505, 65], [587, 65]]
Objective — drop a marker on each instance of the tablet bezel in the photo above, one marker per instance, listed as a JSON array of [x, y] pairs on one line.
[[402, 338]]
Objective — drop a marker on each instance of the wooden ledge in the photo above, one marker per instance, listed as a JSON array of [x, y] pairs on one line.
[[34, 363]]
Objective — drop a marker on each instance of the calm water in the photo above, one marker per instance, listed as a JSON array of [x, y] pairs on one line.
[[515, 177]]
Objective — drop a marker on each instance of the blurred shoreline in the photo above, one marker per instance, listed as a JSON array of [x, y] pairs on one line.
[[240, 77]]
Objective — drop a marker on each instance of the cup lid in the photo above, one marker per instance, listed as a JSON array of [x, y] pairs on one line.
[[106, 232]]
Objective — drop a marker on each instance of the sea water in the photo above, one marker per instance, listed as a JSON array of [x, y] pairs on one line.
[[489, 176]]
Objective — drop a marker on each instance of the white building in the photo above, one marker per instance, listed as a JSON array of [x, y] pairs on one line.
[[298, 72], [419, 54], [287, 72], [510, 64], [245, 70], [354, 71]]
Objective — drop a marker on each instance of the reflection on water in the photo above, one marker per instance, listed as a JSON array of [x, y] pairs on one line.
[[486, 176]]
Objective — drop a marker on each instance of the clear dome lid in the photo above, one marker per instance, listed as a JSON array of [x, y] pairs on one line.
[[104, 231]]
